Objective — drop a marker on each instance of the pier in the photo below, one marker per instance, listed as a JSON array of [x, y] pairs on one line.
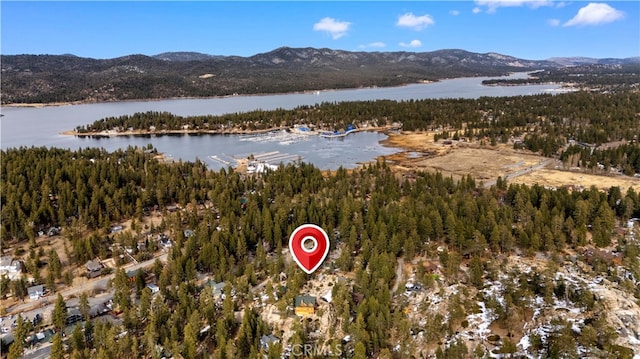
[[220, 160], [275, 157]]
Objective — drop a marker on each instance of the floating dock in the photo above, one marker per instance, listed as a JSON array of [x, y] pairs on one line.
[[221, 160], [275, 157]]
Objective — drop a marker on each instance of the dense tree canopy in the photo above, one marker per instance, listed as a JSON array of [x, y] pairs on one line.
[[371, 212]]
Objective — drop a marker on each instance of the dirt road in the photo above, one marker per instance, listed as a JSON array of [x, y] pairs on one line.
[[521, 172], [399, 274]]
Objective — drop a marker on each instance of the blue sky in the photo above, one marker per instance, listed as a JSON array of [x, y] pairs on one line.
[[531, 29]]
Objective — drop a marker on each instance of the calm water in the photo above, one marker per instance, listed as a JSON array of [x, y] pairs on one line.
[[42, 126]]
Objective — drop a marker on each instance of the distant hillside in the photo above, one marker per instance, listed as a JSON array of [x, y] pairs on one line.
[[576, 61], [63, 78], [183, 56]]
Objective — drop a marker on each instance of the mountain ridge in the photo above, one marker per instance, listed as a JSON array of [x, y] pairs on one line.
[[68, 78]]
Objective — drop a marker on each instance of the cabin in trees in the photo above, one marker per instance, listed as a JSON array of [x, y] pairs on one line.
[[164, 241], [217, 288], [53, 231], [73, 316], [304, 305], [133, 275], [35, 292], [267, 341], [94, 269]]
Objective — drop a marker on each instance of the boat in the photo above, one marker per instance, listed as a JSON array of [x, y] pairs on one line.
[[350, 129]]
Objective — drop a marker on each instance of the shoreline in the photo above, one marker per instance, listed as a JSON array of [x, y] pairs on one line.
[[232, 131], [48, 104], [301, 92]]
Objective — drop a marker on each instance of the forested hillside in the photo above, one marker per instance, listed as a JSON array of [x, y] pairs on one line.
[[67, 78], [242, 223], [601, 76]]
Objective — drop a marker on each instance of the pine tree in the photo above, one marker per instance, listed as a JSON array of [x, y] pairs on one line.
[[84, 306], [57, 350], [360, 351], [59, 314], [190, 342]]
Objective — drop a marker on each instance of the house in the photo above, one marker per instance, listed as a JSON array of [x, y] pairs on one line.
[[132, 275], [74, 316], [188, 233], [172, 208], [53, 231], [94, 269], [35, 292], [217, 288], [10, 267], [164, 241], [267, 341], [154, 288], [304, 305]]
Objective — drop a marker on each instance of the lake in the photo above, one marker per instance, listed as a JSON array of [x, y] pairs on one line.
[[41, 126]]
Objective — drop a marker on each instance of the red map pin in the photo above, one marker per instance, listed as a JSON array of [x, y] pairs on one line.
[[309, 246]]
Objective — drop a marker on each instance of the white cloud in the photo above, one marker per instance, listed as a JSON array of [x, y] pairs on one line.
[[413, 43], [476, 10], [415, 22], [595, 14], [454, 12], [376, 44], [335, 28], [493, 5], [553, 22]]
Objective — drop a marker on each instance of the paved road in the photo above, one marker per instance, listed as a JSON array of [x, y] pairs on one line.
[[44, 306], [99, 283], [42, 351]]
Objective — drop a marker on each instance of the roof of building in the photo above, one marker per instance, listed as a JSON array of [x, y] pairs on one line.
[[8, 263], [267, 340], [73, 312], [35, 289], [304, 301], [93, 266], [5, 261], [217, 287]]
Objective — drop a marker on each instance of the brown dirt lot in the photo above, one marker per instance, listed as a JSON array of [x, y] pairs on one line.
[[486, 163], [460, 158]]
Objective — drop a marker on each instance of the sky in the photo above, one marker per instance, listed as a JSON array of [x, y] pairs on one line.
[[529, 29]]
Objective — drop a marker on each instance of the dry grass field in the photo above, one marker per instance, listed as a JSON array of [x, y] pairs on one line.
[[486, 163], [556, 178]]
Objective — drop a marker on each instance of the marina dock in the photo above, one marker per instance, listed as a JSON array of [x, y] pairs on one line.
[[221, 160], [275, 157]]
